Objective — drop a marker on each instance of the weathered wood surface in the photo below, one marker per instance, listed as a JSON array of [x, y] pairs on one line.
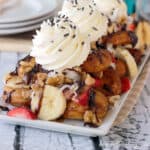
[[133, 134]]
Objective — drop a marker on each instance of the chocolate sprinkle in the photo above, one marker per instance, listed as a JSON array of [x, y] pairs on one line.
[[76, 2], [67, 34], [3, 108], [94, 28], [91, 98], [8, 96], [60, 50], [82, 43], [73, 36], [62, 27]]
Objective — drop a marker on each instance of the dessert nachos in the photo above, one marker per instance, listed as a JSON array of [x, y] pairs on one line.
[[80, 64]]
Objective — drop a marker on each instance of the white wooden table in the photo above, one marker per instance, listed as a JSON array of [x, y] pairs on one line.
[[133, 134]]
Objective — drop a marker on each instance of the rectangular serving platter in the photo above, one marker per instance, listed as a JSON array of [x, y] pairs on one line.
[[76, 127]]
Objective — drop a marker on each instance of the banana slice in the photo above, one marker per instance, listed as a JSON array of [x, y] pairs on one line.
[[140, 35], [147, 32], [53, 104], [131, 64]]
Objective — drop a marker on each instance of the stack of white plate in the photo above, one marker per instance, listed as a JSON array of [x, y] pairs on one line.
[[18, 16]]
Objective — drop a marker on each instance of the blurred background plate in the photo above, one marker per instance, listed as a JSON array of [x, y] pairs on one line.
[[23, 10], [19, 16], [19, 30], [25, 23]]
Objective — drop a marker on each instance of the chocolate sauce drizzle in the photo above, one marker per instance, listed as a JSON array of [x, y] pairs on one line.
[[8, 96], [27, 58], [40, 103], [4, 108], [91, 98], [29, 75], [133, 38]]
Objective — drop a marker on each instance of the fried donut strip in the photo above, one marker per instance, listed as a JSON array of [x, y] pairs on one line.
[[74, 111], [120, 38], [17, 97], [97, 61], [92, 114], [111, 82], [121, 67]]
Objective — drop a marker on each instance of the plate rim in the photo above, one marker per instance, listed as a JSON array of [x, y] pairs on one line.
[[80, 130], [19, 30], [24, 24]]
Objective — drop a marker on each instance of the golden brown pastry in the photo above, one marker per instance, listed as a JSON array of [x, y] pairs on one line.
[[97, 61], [120, 38], [121, 67], [17, 97], [111, 83], [140, 34], [74, 111]]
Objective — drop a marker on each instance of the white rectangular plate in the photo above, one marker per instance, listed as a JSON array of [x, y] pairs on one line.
[[76, 127]]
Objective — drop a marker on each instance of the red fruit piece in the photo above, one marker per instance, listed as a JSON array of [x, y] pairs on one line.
[[126, 85], [83, 98], [21, 113], [97, 83], [131, 27], [113, 59]]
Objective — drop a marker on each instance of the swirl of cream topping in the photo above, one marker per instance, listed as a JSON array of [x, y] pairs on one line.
[[86, 16], [59, 45], [116, 10]]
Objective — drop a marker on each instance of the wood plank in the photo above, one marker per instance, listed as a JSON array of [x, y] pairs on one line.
[[81, 142], [54, 140], [7, 135], [19, 137], [45, 140], [7, 63], [135, 131], [7, 132]]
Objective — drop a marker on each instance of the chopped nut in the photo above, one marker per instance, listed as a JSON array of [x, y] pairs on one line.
[[78, 69], [30, 63], [91, 118], [14, 81], [68, 81], [25, 66], [114, 99], [41, 76], [17, 97], [111, 28], [93, 46], [40, 79], [58, 80], [36, 87], [89, 80]]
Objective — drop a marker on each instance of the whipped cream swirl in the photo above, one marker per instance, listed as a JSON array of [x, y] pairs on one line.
[[116, 10], [86, 16], [59, 45]]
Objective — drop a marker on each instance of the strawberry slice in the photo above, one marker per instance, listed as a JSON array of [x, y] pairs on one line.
[[22, 112], [126, 85], [97, 83], [113, 59], [83, 98], [131, 27]]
